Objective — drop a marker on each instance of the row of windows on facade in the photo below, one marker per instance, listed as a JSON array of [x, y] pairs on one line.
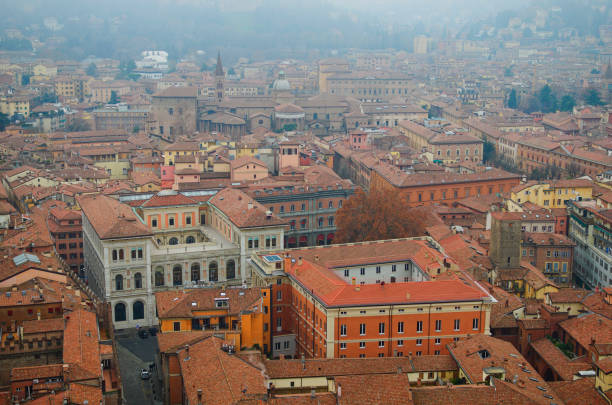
[[535, 228], [456, 193], [371, 91], [136, 254], [70, 245], [330, 205], [172, 221], [362, 270], [70, 235], [400, 327], [458, 152], [330, 222], [177, 275], [71, 256], [253, 243], [554, 267], [399, 343], [549, 253]]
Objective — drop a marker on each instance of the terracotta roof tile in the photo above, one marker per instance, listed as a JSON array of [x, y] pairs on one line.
[[374, 389], [171, 304], [242, 210], [111, 218], [589, 327], [223, 378], [578, 392]]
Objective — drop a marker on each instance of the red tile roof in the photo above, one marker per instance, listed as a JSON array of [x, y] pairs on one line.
[[81, 346], [242, 210], [578, 392], [374, 389], [222, 377], [168, 199], [177, 304], [479, 352], [110, 218], [558, 361], [588, 328]]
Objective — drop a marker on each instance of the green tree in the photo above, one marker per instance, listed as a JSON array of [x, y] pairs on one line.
[[4, 122], [512, 100], [567, 103], [289, 127], [114, 99], [548, 100], [77, 125], [591, 97], [92, 70]]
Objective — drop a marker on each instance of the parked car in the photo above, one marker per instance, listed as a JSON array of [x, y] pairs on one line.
[[153, 330], [144, 374], [143, 334]]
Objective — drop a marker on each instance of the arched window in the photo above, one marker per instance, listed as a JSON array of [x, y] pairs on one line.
[[173, 241], [230, 270], [120, 312], [190, 239], [159, 277], [177, 275], [137, 280], [138, 310], [195, 272], [118, 282], [213, 271]]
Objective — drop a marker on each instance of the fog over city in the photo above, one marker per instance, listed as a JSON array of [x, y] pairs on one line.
[[262, 28], [305, 202]]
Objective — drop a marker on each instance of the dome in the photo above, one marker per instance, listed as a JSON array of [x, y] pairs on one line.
[[281, 83]]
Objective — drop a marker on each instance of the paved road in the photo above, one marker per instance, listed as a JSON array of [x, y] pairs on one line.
[[135, 354]]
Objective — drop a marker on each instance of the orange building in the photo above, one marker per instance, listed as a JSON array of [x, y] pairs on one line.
[[241, 314], [441, 188], [371, 299]]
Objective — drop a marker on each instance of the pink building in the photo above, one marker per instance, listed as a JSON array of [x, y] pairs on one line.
[[167, 176], [358, 140]]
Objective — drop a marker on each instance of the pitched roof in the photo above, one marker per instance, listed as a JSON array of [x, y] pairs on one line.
[[168, 198], [242, 210], [110, 218], [479, 352], [578, 392], [357, 366], [374, 389], [223, 378], [182, 303], [558, 361], [587, 328], [81, 346]]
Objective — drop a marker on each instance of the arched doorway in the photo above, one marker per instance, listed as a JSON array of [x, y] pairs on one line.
[[213, 271], [173, 241], [138, 310], [120, 313], [330, 238], [190, 239], [195, 273], [177, 275], [230, 270], [320, 240], [303, 241]]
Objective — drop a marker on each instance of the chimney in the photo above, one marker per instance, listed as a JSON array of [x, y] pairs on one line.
[[199, 396], [353, 281], [187, 350], [299, 262]]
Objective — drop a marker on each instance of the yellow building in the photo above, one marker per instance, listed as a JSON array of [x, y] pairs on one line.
[[554, 194], [72, 87], [603, 381], [11, 105], [171, 151], [243, 314]]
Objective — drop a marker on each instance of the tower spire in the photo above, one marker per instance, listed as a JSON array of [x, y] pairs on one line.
[[219, 69]]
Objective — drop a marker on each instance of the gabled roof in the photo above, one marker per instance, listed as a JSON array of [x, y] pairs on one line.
[[242, 210], [168, 198], [182, 303], [110, 218]]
